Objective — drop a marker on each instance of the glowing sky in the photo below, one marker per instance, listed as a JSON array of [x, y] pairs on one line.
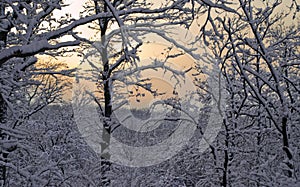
[[149, 51]]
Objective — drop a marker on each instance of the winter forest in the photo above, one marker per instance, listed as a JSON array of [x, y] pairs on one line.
[[160, 93]]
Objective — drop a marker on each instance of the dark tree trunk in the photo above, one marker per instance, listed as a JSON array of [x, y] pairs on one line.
[[3, 106], [4, 29], [105, 155], [286, 147], [2, 109], [226, 160]]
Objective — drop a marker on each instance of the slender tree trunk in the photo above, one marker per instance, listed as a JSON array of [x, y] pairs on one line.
[[105, 154], [106, 133], [2, 109], [284, 121], [226, 159], [3, 106], [2, 136], [3, 41], [286, 147]]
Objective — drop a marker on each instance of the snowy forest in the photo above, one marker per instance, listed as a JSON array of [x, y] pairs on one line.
[[160, 93]]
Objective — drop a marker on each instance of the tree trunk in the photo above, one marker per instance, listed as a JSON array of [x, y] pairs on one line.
[[105, 155], [225, 166], [286, 148], [226, 158], [3, 107]]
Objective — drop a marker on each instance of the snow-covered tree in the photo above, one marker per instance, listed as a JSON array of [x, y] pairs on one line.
[[113, 54], [28, 28], [257, 46]]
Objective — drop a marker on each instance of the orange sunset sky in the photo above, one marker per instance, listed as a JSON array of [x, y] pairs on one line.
[[149, 51]]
